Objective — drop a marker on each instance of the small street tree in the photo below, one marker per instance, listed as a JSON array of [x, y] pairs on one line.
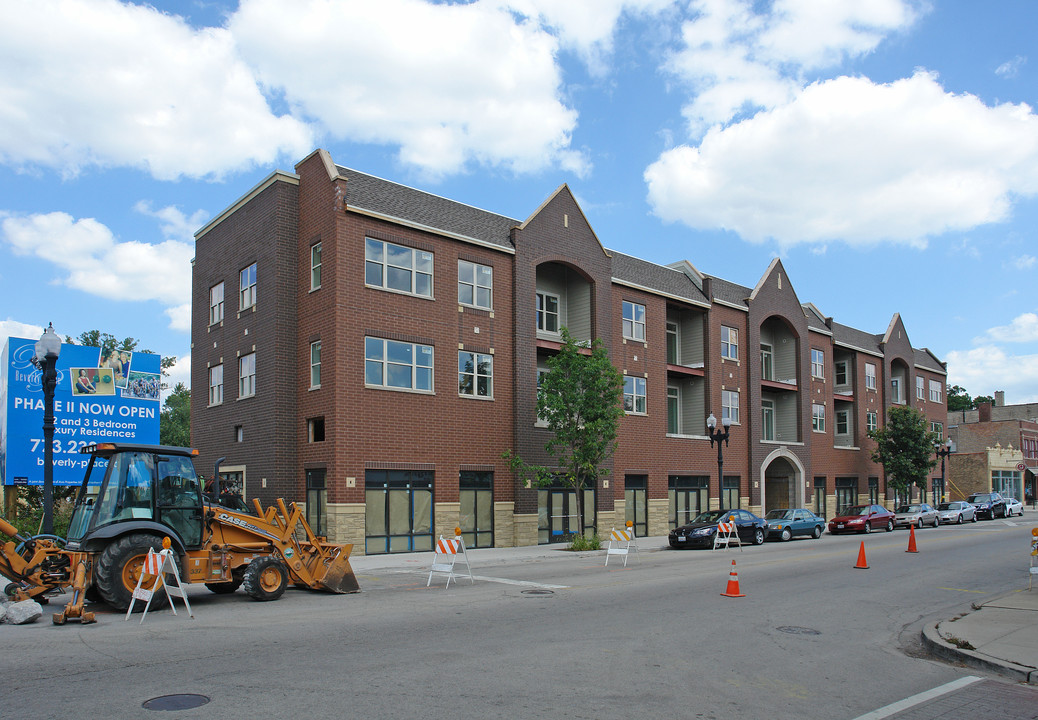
[[175, 418], [905, 449], [581, 400]]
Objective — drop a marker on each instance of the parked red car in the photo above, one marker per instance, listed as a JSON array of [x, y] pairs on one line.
[[862, 519]]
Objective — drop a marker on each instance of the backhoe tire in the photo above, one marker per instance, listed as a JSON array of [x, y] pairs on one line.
[[265, 579], [119, 568], [225, 588]]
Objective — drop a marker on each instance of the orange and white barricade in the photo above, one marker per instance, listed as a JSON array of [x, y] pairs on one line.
[[621, 542], [450, 552], [163, 567], [727, 534]]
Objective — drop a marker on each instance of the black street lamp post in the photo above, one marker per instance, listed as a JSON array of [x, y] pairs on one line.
[[717, 436], [943, 451], [48, 347]]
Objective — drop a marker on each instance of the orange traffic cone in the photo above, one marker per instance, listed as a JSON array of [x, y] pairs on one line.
[[733, 584], [911, 539], [862, 564]]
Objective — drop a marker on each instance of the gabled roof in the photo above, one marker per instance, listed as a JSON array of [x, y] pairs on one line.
[[925, 359], [399, 202], [650, 276], [729, 292], [855, 338], [815, 319]]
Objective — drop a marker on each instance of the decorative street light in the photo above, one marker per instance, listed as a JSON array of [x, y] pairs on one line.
[[48, 347], [943, 451], [717, 436]]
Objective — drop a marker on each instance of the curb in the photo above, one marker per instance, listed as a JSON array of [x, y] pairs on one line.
[[938, 646]]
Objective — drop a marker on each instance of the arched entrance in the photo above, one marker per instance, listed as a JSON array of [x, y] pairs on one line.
[[783, 478]]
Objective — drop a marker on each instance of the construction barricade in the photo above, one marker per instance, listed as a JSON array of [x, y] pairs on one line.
[[621, 542], [163, 567], [727, 534], [450, 552]]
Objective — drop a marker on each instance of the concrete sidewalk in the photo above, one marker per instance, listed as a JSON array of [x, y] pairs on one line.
[[999, 636]]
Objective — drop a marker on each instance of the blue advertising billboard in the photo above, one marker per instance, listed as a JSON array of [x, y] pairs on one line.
[[97, 399]]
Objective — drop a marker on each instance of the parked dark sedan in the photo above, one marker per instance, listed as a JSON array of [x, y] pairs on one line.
[[787, 523], [702, 530], [989, 505], [863, 519]]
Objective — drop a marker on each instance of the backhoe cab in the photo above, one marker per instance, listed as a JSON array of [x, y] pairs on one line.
[[133, 496]]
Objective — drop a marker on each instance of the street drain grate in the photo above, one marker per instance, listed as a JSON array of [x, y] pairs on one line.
[[175, 702], [538, 591], [796, 630]]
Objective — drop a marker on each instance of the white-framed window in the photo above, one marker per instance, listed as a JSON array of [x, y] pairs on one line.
[[729, 342], [936, 391], [767, 362], [730, 405], [216, 384], [475, 374], [919, 387], [843, 422], [673, 343], [767, 420], [247, 285], [936, 427], [634, 321], [395, 267], [841, 372], [817, 363], [400, 365], [547, 312], [673, 410], [634, 394], [475, 285], [315, 266], [216, 303], [315, 364], [817, 417], [870, 376], [896, 391], [239, 433], [247, 375], [315, 429], [871, 421]]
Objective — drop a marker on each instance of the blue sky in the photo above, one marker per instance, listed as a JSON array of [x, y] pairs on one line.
[[886, 150]]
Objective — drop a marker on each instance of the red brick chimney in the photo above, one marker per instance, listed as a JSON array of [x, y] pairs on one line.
[[984, 410]]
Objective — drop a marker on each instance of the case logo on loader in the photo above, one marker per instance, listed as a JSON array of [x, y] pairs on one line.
[[224, 517]]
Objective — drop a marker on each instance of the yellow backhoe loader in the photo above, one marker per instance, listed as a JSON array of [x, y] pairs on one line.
[[132, 497]]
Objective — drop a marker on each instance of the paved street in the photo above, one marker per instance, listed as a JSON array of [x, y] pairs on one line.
[[545, 633]]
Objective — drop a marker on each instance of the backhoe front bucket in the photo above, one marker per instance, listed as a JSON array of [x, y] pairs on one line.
[[338, 575]]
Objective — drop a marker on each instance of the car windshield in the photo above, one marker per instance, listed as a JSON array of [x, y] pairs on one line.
[[910, 509], [779, 515], [710, 516], [982, 497], [857, 510], [948, 506]]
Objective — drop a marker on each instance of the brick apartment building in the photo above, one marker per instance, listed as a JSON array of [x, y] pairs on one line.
[[371, 350]]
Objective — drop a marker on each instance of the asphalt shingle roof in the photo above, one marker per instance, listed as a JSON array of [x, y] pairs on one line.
[[655, 277]]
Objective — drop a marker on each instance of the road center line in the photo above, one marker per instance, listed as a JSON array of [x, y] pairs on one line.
[[525, 583], [922, 697]]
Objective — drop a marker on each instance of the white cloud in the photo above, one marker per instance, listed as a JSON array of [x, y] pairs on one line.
[[1024, 328], [857, 161], [12, 328], [180, 372], [106, 83], [986, 369], [1024, 262], [454, 84], [99, 264], [1011, 68]]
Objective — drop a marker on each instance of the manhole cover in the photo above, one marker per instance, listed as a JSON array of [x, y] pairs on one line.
[[538, 591], [795, 630], [175, 702]]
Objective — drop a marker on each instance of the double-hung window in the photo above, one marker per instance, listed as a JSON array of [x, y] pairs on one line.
[[730, 405], [216, 384], [919, 387], [843, 422], [633, 321], [315, 364], [842, 377], [394, 267], [729, 342], [216, 303], [247, 375], [315, 266], [870, 376], [247, 285], [673, 410], [817, 363], [936, 391], [547, 312], [475, 374], [634, 394], [938, 429], [475, 285], [398, 365], [871, 421], [818, 417]]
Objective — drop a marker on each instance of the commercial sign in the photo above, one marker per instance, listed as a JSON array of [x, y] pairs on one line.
[[97, 399]]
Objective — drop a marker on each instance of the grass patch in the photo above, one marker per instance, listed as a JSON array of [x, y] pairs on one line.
[[586, 543], [961, 644]]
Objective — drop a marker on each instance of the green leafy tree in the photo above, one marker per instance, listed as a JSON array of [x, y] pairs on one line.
[[109, 343], [175, 418], [905, 449], [580, 398], [959, 399]]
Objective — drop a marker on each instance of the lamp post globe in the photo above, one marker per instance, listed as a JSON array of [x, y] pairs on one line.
[[48, 347]]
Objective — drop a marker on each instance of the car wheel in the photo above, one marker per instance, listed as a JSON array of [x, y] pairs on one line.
[[786, 535], [890, 525], [868, 528], [817, 532], [958, 520], [758, 537], [974, 518], [919, 523], [936, 521]]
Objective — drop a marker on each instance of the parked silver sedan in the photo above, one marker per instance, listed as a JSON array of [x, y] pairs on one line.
[[917, 514], [956, 511], [1014, 507]]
